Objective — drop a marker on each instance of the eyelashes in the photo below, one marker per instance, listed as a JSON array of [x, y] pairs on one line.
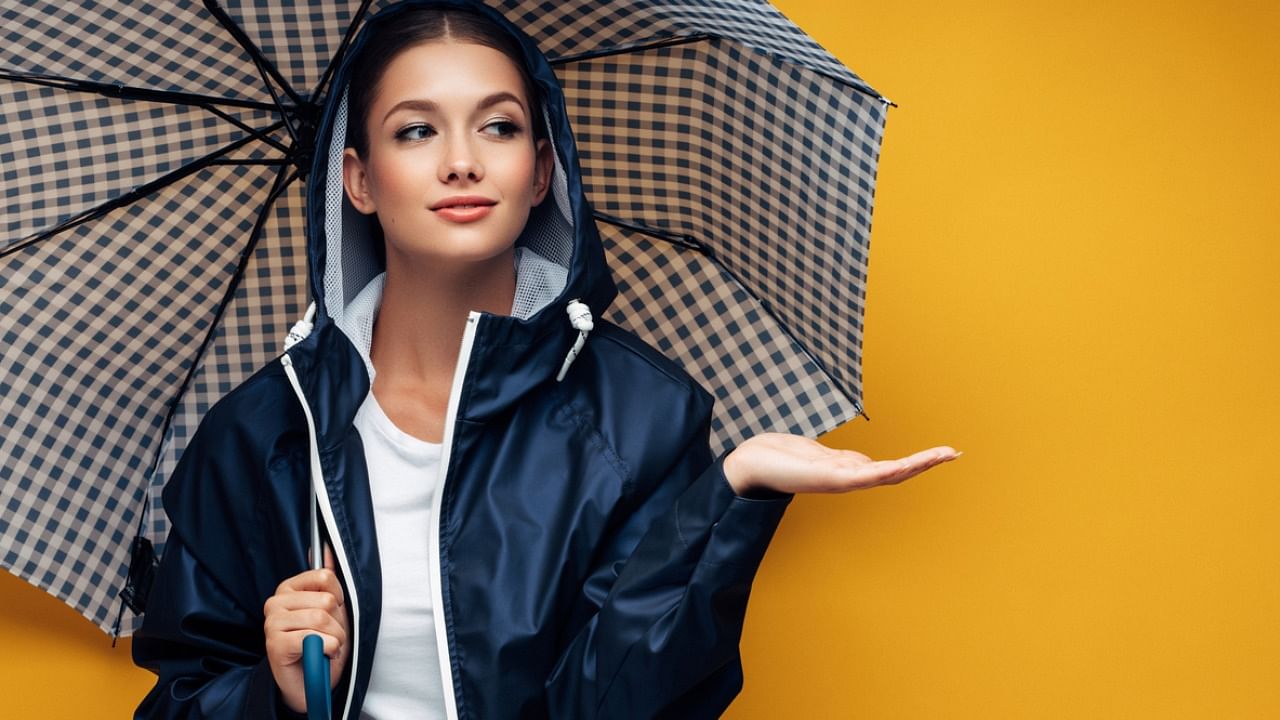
[[504, 128], [417, 132]]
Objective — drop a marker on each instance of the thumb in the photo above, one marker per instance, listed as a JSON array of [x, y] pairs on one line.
[[328, 557]]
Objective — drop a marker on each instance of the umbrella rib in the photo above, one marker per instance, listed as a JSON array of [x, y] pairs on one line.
[[856, 87], [135, 194], [281, 183], [265, 66], [250, 162], [171, 97], [691, 243], [125, 92], [633, 48], [342, 49], [705, 37], [261, 135], [684, 241]]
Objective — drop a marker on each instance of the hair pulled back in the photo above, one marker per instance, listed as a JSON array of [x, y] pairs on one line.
[[414, 27]]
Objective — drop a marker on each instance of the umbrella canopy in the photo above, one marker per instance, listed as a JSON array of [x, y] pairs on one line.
[[154, 157]]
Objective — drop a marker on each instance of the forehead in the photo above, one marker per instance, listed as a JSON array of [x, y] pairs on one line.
[[448, 73]]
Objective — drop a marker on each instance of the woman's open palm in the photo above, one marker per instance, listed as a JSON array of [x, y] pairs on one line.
[[795, 464]]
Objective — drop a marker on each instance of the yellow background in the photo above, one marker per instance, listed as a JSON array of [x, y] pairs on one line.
[[1073, 279]]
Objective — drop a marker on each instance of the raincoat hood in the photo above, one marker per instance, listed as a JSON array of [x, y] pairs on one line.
[[560, 258]]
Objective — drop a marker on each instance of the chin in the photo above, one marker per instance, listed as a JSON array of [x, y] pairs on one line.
[[461, 253]]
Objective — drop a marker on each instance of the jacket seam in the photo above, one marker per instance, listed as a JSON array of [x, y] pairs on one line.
[[683, 380], [602, 443], [675, 509]]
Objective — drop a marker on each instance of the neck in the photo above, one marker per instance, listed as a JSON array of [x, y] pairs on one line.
[[424, 309]]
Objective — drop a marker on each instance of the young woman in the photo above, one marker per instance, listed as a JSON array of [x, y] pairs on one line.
[[521, 523]]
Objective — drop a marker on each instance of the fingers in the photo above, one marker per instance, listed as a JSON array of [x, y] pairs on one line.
[[925, 459], [305, 620], [286, 646], [303, 612], [892, 472], [291, 616], [312, 599], [321, 580], [302, 600], [931, 456], [917, 463]]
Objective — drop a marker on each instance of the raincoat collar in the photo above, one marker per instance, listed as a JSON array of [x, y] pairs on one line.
[[510, 355]]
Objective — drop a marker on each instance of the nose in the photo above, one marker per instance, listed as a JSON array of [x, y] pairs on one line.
[[460, 162]]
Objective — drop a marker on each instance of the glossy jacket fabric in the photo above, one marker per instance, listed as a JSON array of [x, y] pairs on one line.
[[592, 559]]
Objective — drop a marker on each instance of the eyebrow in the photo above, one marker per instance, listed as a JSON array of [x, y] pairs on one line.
[[429, 106]]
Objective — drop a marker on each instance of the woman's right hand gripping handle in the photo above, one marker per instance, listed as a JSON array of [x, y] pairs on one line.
[[309, 603]]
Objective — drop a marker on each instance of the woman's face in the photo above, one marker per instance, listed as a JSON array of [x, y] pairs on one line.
[[452, 169]]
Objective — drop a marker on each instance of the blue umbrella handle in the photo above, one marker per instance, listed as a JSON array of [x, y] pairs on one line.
[[315, 677]]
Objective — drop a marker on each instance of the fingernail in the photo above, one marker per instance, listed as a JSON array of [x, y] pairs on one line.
[[958, 454]]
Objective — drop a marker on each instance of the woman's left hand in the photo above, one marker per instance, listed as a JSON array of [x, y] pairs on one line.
[[795, 464]]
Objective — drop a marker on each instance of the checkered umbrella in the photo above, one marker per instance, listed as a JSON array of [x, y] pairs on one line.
[[153, 156]]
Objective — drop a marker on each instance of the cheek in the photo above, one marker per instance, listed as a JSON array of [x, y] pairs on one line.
[[397, 178], [517, 172]]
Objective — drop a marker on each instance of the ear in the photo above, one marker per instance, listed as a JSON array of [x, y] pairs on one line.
[[544, 163], [355, 180]]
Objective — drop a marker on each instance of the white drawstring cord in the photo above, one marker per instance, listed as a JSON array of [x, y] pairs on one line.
[[300, 329], [580, 318]]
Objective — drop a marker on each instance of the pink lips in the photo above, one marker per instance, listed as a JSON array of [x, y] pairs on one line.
[[463, 208]]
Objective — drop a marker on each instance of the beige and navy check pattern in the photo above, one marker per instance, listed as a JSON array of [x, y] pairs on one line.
[[731, 159]]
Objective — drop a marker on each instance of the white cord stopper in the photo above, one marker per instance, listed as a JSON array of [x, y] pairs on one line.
[[300, 329], [580, 318]]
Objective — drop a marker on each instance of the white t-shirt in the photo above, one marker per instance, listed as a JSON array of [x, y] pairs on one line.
[[403, 471]]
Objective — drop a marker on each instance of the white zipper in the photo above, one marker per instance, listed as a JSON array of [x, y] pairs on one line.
[[326, 510], [437, 580]]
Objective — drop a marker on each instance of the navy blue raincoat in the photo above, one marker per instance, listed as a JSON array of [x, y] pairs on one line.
[[589, 557]]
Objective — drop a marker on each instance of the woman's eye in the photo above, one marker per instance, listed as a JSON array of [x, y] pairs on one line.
[[502, 128], [415, 132]]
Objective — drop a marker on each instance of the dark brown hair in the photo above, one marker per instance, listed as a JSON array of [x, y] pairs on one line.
[[389, 38]]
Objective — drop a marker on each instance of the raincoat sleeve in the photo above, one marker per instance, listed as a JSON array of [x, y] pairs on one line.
[[666, 601], [202, 633], [206, 650]]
